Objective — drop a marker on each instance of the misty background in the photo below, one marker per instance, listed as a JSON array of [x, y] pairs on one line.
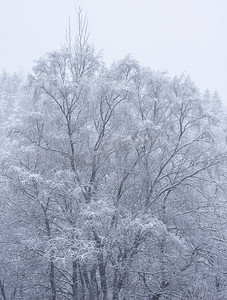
[[174, 35]]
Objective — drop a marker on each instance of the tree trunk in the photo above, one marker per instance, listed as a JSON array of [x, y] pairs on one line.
[[52, 281], [75, 282], [115, 286], [102, 272], [93, 286], [2, 290], [82, 292], [52, 268]]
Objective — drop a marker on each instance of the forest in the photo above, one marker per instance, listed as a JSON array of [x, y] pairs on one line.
[[113, 181]]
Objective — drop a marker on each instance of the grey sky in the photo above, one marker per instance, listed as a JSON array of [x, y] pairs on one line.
[[175, 35]]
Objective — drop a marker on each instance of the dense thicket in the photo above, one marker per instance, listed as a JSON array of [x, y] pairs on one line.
[[113, 182]]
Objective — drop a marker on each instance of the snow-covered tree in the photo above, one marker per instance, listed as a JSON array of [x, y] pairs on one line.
[[114, 183]]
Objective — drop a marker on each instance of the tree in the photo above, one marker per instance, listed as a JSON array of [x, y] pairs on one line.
[[114, 183]]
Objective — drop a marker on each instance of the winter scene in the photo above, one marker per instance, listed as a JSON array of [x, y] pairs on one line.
[[113, 150]]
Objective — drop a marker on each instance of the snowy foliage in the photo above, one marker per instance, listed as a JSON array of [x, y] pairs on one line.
[[113, 182]]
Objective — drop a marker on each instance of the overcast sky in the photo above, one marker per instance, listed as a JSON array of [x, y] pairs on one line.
[[176, 35]]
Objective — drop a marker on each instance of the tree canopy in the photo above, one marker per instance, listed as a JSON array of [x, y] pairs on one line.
[[113, 181]]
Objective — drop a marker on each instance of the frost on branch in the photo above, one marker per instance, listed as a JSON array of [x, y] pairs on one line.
[[113, 182]]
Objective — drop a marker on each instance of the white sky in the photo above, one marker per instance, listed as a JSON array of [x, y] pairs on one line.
[[176, 35]]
